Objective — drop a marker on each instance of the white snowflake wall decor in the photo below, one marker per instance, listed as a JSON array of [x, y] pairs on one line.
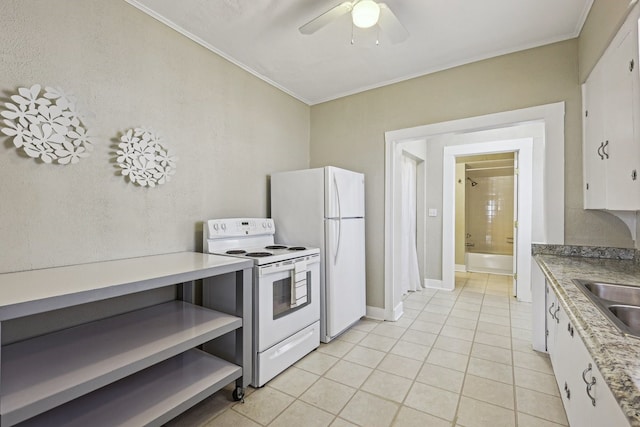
[[143, 159], [46, 125]]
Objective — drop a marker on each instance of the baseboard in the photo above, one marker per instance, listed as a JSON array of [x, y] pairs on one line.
[[432, 284], [435, 284], [375, 313], [396, 313], [496, 271], [461, 268]]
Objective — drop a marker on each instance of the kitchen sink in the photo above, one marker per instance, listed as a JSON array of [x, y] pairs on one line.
[[627, 314], [620, 303], [623, 294]]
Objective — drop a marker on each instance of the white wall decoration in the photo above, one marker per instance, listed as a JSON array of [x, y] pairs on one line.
[[143, 159], [47, 126]]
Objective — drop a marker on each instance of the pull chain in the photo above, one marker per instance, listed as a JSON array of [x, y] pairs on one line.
[[352, 38]]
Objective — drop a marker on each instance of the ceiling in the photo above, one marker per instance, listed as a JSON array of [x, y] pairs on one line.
[[262, 37]]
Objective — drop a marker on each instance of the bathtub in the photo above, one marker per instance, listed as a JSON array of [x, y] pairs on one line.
[[489, 263]]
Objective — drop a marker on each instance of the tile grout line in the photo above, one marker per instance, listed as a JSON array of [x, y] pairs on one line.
[[455, 414], [373, 369], [414, 380], [464, 378], [513, 369], [401, 404], [428, 299]]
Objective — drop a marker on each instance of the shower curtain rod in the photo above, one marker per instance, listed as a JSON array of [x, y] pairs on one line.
[[488, 169]]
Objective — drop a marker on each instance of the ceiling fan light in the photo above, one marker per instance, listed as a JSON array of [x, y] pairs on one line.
[[365, 13]]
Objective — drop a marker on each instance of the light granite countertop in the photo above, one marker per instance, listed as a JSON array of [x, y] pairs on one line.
[[616, 355]]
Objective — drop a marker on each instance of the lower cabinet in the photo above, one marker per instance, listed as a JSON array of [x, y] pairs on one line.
[[585, 395], [551, 316]]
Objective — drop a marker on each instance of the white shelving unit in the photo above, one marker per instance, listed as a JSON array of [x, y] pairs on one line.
[[138, 368]]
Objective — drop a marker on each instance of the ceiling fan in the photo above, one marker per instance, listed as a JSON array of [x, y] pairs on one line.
[[365, 14]]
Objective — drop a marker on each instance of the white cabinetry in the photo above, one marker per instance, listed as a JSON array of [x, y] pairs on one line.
[[538, 314], [586, 397], [138, 368], [570, 357], [552, 309], [611, 125], [594, 166]]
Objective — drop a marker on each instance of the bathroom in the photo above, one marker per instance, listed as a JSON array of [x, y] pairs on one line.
[[485, 204]]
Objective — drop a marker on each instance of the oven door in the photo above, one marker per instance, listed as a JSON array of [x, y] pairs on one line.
[[286, 299]]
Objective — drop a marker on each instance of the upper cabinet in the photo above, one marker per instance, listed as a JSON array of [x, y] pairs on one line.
[[611, 125]]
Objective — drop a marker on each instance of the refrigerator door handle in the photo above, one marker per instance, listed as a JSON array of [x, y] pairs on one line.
[[335, 184], [335, 258]]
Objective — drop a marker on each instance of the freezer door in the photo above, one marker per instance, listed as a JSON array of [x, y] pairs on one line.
[[345, 292], [344, 193]]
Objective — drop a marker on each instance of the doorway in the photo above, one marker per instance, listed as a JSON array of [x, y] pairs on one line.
[[409, 219], [520, 228], [547, 190], [408, 271], [484, 213]]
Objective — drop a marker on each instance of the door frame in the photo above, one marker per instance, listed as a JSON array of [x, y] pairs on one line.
[[549, 229], [524, 149]]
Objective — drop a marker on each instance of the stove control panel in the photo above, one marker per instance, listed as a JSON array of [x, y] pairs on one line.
[[239, 227]]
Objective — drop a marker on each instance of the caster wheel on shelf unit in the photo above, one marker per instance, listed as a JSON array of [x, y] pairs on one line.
[[238, 394]]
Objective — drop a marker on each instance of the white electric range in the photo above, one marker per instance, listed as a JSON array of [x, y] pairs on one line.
[[286, 291]]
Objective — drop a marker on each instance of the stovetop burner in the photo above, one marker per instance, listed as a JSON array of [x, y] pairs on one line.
[[259, 254], [275, 247], [236, 252], [297, 248]]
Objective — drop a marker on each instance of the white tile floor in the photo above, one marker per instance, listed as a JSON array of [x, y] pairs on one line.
[[459, 358]]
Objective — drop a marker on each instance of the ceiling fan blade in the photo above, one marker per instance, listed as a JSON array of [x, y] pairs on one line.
[[391, 26], [326, 18]]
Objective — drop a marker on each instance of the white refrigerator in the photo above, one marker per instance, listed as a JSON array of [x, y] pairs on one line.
[[324, 207]]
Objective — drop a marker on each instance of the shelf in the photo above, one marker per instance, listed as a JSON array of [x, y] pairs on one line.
[[30, 292], [150, 397], [41, 373]]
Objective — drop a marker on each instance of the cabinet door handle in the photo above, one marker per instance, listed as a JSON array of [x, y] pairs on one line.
[[555, 315], [584, 374], [593, 399], [570, 329], [551, 308], [600, 152], [589, 384], [606, 143]]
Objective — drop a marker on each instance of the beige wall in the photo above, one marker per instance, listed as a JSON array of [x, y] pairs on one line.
[[229, 129], [349, 132], [603, 21]]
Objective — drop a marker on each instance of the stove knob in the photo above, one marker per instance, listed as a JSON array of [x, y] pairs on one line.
[[270, 224], [223, 226], [264, 225], [215, 226]]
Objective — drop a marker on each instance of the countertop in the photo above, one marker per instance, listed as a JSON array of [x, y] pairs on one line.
[[616, 355], [29, 292]]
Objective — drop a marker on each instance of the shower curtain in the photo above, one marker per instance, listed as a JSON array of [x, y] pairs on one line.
[[410, 273]]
